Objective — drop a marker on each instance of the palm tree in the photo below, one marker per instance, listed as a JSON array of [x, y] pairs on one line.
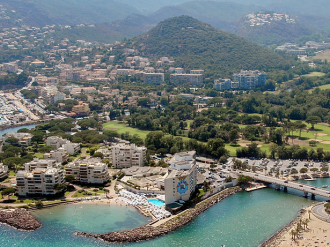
[[305, 222], [309, 213]]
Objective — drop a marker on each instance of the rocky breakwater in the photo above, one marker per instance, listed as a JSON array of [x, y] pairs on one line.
[[148, 232], [20, 219]]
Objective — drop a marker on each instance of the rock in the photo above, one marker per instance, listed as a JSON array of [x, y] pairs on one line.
[[20, 219]]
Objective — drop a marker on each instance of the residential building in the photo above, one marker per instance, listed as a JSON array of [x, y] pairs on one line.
[[181, 182], [40, 181], [59, 155], [71, 148], [54, 97], [81, 108], [250, 79], [38, 63], [11, 67], [3, 171], [192, 79], [24, 139], [41, 163], [153, 78], [56, 142], [222, 84], [125, 156], [91, 171]]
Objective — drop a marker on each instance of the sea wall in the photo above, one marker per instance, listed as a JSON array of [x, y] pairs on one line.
[[148, 232], [275, 240], [20, 219]]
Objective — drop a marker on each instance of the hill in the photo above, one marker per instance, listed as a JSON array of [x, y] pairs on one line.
[[268, 28], [68, 12], [218, 14], [194, 44]]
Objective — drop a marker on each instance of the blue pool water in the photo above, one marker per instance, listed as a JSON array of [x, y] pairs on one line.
[[156, 202]]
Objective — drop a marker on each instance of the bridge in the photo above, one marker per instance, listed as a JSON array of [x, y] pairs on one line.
[[288, 184]]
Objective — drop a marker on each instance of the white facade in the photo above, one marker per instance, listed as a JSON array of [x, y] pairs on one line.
[[125, 156], [3, 171], [56, 142], [181, 182], [40, 181], [24, 139], [91, 171], [153, 78]]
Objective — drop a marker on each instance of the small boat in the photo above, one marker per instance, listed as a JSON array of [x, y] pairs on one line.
[[310, 179], [324, 186]]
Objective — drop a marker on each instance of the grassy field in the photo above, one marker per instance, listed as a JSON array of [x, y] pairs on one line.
[[315, 74], [123, 128], [322, 55], [39, 155]]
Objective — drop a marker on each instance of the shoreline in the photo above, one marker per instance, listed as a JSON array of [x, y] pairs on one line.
[[275, 239], [149, 232], [315, 234]]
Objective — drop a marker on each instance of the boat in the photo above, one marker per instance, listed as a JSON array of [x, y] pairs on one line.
[[324, 186], [310, 179]]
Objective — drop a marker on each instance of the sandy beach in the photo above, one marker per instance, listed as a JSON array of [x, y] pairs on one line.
[[317, 234]]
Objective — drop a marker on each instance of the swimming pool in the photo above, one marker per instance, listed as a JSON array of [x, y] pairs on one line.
[[156, 202]]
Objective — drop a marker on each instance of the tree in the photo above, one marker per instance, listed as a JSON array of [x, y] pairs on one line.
[[273, 150], [294, 171], [313, 120], [8, 192], [244, 180], [300, 125], [314, 169], [12, 140], [39, 204], [303, 170], [324, 169], [69, 178], [98, 155], [59, 187]]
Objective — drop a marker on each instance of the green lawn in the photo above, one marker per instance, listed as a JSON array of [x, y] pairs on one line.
[[39, 155], [315, 74], [123, 128]]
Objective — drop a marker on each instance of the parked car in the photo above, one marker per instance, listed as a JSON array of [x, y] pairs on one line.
[[286, 181]]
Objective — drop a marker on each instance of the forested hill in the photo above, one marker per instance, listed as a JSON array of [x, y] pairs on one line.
[[273, 32], [194, 44]]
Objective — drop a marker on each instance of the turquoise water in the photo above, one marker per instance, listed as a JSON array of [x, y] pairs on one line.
[[156, 202], [245, 219], [59, 224], [14, 130]]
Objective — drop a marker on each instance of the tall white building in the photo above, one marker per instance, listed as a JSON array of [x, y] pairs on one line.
[[39, 181], [91, 171], [125, 156], [181, 182], [56, 142], [3, 171]]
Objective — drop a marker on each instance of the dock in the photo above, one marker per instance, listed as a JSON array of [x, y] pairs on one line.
[[255, 187]]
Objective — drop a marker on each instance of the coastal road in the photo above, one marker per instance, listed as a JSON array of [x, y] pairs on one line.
[[320, 211], [290, 184]]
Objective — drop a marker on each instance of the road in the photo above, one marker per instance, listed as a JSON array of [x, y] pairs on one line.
[[290, 184], [320, 211]]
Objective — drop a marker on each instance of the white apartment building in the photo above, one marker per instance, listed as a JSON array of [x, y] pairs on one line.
[[24, 139], [3, 171], [59, 155], [153, 78], [41, 163], [56, 142], [91, 171], [181, 182], [191, 79], [40, 181], [125, 156]]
